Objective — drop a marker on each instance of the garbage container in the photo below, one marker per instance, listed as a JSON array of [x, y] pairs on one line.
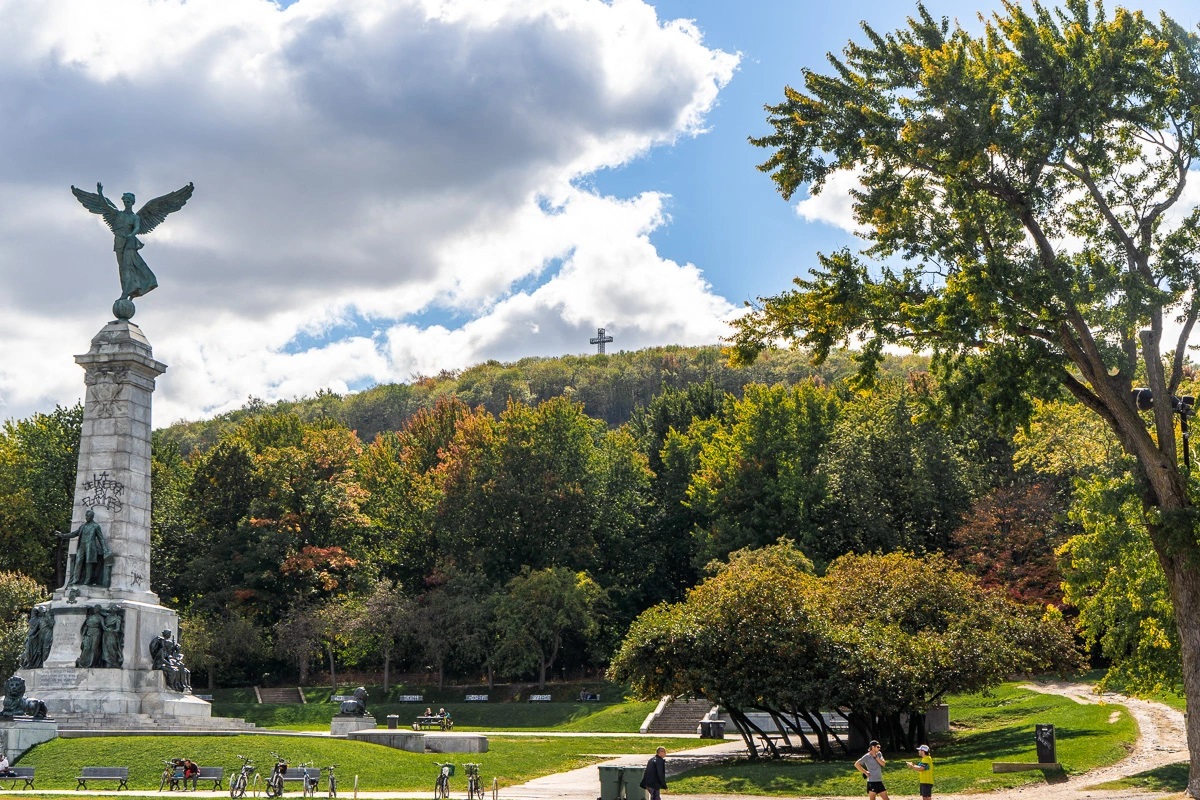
[[610, 782], [393, 721], [632, 776], [712, 729], [1047, 752]]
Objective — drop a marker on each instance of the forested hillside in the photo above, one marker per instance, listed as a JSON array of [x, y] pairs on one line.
[[513, 520]]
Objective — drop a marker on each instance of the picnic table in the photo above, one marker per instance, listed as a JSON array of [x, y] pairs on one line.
[[777, 739], [436, 721]]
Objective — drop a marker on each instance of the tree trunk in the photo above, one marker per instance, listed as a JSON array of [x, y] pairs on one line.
[[387, 663], [542, 673], [332, 669], [1180, 560]]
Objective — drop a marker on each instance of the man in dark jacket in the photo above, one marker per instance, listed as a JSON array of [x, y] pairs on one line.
[[654, 779]]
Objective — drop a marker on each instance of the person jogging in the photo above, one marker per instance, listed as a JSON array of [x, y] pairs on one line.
[[871, 766], [925, 767]]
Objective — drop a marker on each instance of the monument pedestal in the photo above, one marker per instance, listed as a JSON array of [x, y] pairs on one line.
[[340, 726], [21, 734], [113, 485]]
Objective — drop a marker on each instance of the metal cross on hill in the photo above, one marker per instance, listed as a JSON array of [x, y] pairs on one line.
[[599, 339]]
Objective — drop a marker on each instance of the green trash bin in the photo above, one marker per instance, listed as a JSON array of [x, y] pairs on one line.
[[632, 777], [610, 782]]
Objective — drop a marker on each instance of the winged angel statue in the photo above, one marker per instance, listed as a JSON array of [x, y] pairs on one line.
[[126, 225]]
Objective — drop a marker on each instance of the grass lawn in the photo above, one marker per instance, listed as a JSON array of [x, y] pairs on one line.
[[986, 729], [513, 759], [619, 717], [1171, 778]]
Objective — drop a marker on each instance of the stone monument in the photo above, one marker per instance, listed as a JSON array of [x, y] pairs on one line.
[[88, 654]]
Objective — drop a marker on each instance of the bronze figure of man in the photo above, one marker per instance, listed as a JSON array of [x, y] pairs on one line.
[[90, 555], [126, 225]]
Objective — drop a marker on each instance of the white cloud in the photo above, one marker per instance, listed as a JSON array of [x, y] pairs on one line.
[[834, 205], [365, 160]]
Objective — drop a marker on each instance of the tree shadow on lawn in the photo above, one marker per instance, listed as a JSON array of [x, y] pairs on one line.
[[1170, 778]]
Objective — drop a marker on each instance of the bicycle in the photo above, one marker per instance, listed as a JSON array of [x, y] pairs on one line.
[[275, 780], [238, 783], [441, 789], [309, 778], [332, 781], [171, 775], [474, 786]]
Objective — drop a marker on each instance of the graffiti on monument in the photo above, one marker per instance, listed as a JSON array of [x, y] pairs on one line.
[[105, 492]]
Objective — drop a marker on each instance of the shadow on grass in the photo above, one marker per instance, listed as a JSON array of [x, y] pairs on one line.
[[1171, 778]]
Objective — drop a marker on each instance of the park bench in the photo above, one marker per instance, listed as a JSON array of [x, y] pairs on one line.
[[214, 774], [410, 698], [341, 698], [586, 697], [19, 774], [422, 722], [118, 774], [539, 698], [297, 773], [476, 698]]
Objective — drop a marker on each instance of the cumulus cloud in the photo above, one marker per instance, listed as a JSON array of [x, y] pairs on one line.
[[358, 166]]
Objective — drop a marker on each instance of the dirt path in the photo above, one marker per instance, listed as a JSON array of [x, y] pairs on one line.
[[1161, 741]]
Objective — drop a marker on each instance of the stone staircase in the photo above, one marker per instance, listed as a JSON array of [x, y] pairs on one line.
[[81, 725], [282, 695], [680, 716]]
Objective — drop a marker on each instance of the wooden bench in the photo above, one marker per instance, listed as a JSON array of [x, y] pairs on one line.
[[539, 698], [214, 774], [423, 722], [476, 698], [298, 773], [410, 698], [19, 774], [118, 774], [1025, 766], [341, 698]]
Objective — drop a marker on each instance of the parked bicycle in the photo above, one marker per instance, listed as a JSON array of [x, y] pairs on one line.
[[332, 781], [309, 776], [275, 780], [239, 782], [441, 789], [474, 785], [172, 775]]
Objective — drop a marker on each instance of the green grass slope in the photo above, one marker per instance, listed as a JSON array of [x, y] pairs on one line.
[[985, 729]]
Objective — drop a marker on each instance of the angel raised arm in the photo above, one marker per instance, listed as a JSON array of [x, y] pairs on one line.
[[126, 225]]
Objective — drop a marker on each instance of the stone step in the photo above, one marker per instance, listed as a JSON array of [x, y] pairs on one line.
[[80, 724], [283, 695], [680, 716]]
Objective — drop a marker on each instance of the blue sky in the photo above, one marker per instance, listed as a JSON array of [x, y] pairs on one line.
[[390, 188], [725, 214]]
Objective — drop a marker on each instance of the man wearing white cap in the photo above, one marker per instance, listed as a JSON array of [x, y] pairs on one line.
[[925, 767]]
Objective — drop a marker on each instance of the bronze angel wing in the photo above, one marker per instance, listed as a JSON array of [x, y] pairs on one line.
[[156, 210], [98, 204]]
